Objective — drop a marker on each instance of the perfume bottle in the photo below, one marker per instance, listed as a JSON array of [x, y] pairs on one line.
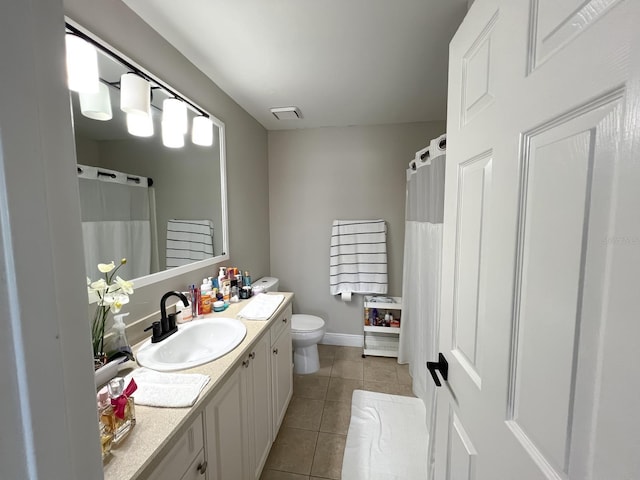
[[106, 421], [124, 411]]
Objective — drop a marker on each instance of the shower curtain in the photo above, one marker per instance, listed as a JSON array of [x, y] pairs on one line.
[[116, 212], [422, 268]]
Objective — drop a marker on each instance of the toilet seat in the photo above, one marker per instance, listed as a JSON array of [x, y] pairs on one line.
[[301, 323]]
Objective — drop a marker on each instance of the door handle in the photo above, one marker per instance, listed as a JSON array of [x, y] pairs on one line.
[[442, 365]]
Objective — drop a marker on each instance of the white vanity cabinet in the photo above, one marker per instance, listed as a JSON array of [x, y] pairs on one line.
[[226, 430], [281, 367], [185, 460], [257, 378]]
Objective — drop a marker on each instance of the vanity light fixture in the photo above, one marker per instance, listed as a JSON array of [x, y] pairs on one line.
[[96, 106], [82, 65], [174, 113], [135, 94], [202, 131], [171, 136], [140, 125]]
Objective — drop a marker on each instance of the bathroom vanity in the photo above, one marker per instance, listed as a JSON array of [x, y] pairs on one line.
[[229, 431]]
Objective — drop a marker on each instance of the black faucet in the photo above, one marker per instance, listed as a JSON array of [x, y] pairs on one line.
[[167, 324]]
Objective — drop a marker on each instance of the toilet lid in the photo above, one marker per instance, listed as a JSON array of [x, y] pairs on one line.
[[306, 323]]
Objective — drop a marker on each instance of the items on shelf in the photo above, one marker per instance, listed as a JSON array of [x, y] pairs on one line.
[[381, 325]]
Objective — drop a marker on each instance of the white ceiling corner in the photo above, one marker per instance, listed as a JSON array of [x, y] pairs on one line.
[[354, 62]]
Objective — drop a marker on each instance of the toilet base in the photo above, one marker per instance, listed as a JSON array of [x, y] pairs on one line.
[[305, 360]]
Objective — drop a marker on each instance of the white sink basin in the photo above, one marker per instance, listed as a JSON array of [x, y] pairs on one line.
[[195, 343]]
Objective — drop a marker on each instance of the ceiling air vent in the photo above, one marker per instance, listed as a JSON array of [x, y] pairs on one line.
[[287, 113]]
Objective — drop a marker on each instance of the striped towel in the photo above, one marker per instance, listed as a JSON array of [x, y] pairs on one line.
[[188, 241], [358, 259]]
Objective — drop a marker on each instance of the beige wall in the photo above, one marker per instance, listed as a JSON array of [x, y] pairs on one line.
[[247, 168], [319, 175]]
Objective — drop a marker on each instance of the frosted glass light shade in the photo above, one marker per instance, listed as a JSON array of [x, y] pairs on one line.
[[82, 65], [96, 106], [174, 112], [172, 137], [202, 131], [140, 125], [135, 94]]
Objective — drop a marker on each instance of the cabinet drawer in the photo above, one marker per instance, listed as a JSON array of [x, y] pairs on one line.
[[283, 321], [197, 469], [181, 456]]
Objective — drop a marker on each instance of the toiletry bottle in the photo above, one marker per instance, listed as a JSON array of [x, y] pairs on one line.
[[121, 346], [246, 279], [222, 273], [123, 407], [205, 297], [234, 294], [183, 314], [106, 421]]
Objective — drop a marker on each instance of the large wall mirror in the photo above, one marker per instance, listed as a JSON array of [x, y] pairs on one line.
[[152, 188]]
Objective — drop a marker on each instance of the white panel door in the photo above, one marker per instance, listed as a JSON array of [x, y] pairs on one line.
[[540, 292]]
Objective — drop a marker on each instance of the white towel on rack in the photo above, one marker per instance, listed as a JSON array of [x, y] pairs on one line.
[[188, 241], [358, 258], [172, 390]]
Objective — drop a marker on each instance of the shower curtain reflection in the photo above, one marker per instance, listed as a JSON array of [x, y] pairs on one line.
[[117, 212]]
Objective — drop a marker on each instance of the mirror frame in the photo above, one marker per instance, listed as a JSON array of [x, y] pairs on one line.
[[177, 271]]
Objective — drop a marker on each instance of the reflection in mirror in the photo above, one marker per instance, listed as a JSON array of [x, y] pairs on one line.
[[158, 206]]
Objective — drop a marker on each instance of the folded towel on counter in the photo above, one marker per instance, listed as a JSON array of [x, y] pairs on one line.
[[173, 390], [261, 307]]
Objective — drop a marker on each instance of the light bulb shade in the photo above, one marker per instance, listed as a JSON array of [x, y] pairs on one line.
[[82, 65], [202, 131], [140, 125], [174, 112], [96, 106], [172, 137], [135, 94]]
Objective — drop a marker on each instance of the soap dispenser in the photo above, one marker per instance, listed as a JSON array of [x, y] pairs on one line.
[[121, 346]]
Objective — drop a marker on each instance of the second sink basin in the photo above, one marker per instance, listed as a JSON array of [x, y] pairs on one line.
[[195, 343]]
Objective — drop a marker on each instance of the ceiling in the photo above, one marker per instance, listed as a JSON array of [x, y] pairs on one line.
[[349, 62]]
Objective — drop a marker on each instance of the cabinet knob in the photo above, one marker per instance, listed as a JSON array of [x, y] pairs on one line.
[[202, 467], [245, 363], [275, 350], [284, 320], [252, 355]]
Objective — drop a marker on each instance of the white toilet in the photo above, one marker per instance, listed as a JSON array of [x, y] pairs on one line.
[[306, 332]]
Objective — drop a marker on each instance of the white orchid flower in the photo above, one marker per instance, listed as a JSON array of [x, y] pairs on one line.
[[99, 286], [125, 285], [117, 301], [106, 267]]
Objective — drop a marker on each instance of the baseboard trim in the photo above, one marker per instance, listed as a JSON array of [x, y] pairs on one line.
[[342, 339]]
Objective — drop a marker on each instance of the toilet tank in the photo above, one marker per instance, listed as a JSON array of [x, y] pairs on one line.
[[268, 284]]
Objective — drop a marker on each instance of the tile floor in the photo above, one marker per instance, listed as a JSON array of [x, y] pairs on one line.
[[311, 440]]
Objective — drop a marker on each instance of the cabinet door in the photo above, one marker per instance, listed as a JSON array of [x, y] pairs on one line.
[[226, 431], [281, 377], [184, 452], [196, 471], [258, 382]]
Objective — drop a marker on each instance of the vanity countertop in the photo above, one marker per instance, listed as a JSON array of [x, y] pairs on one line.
[[156, 427]]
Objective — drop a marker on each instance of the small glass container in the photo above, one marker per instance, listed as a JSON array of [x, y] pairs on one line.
[[106, 422], [122, 426]]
